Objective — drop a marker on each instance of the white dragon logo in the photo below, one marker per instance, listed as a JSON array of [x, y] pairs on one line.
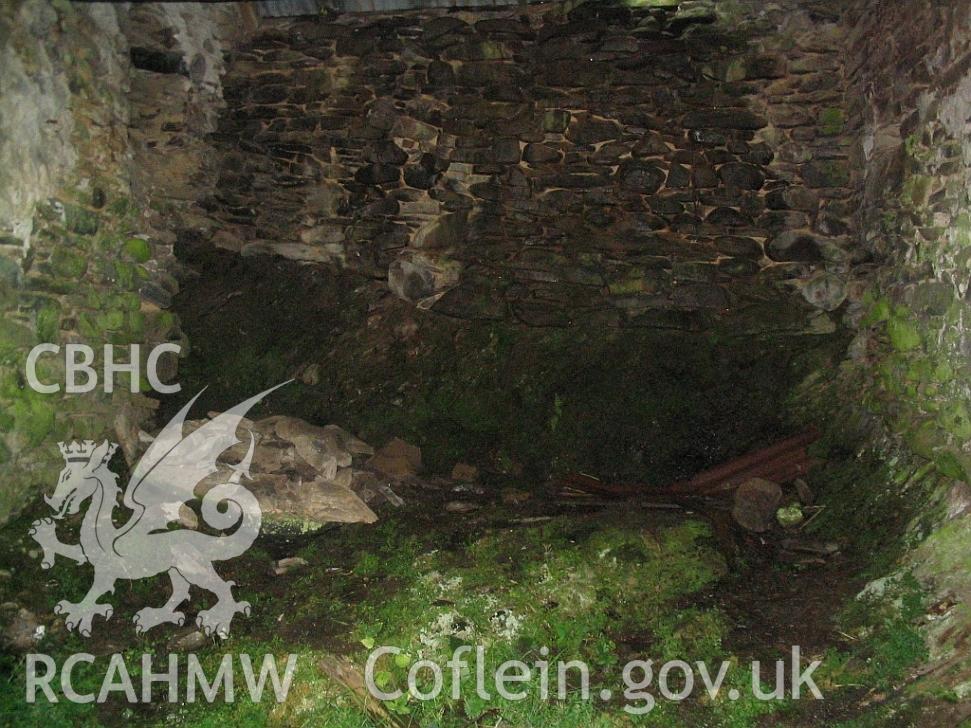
[[164, 478]]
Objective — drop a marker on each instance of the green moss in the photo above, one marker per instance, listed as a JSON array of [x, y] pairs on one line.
[[33, 418], [942, 372], [597, 580], [488, 50], [126, 275], [111, 320], [831, 121], [950, 465], [912, 145], [790, 516], [954, 418], [68, 263], [162, 324], [879, 311], [89, 327], [136, 323], [49, 322], [962, 230], [81, 221], [946, 555], [14, 337], [903, 332], [888, 644], [924, 438], [138, 249]]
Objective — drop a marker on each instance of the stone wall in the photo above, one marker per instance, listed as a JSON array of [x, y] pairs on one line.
[[651, 164], [912, 106], [85, 255], [905, 389]]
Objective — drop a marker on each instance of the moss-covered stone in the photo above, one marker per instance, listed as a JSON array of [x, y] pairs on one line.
[[138, 249], [89, 327], [111, 320], [903, 332], [14, 337], [81, 221], [48, 322], [950, 465], [954, 418], [33, 418], [125, 274], [831, 121], [68, 263], [556, 121], [135, 325]]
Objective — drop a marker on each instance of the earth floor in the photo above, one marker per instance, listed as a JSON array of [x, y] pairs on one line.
[[599, 582]]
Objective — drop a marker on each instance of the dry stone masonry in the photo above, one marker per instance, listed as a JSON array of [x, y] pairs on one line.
[[99, 142], [642, 164]]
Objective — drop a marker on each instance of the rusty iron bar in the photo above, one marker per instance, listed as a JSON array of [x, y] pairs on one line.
[[780, 462]]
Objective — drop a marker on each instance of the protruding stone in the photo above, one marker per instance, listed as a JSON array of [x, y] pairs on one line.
[[448, 231], [678, 177], [284, 566], [795, 246], [742, 176], [540, 154], [825, 291], [588, 130], [515, 496], [190, 640], [421, 278], [386, 152], [397, 459], [640, 176], [556, 121], [792, 198]]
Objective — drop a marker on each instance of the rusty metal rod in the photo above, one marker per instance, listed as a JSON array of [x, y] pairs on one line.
[[780, 462]]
